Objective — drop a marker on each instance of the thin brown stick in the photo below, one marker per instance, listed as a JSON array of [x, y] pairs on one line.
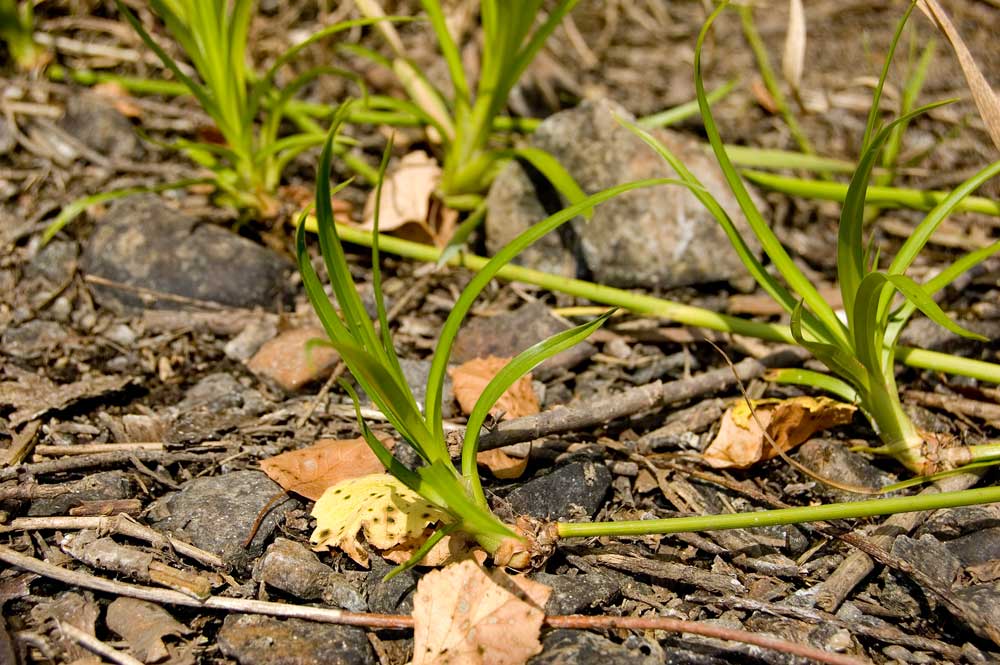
[[94, 645], [398, 621], [603, 410], [93, 448], [78, 462], [120, 524]]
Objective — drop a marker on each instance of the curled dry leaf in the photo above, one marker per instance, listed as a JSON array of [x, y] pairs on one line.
[[388, 512], [740, 442], [986, 99], [470, 379], [794, 56], [310, 471], [408, 205], [143, 625], [465, 616], [502, 465]]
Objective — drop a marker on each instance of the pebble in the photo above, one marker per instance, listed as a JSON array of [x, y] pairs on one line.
[[143, 244], [216, 514], [100, 126], [655, 237], [394, 596], [34, 339], [577, 647], [291, 362], [977, 547], [831, 459], [291, 567], [573, 491], [572, 594], [242, 347], [928, 555], [262, 640], [55, 262], [523, 327], [101, 486]]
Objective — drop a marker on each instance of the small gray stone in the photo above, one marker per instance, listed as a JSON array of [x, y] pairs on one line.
[[572, 594], [56, 262], [523, 327], [831, 459], [653, 237], [215, 404], [262, 640], [576, 647], [100, 126], [982, 601], [146, 245], [216, 513], [242, 347], [102, 486], [955, 522], [928, 555], [120, 334], [575, 490], [293, 568], [415, 372], [33, 339], [394, 596], [977, 547]]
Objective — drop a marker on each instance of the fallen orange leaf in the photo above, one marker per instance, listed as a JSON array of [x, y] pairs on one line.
[[309, 471], [502, 465], [741, 443], [470, 379], [465, 616]]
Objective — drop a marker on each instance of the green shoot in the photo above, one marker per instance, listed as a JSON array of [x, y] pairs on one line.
[[368, 352], [860, 348], [465, 121], [17, 27], [247, 108]]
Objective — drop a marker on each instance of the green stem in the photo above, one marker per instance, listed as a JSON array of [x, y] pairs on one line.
[[915, 199], [770, 80], [643, 304], [833, 511]]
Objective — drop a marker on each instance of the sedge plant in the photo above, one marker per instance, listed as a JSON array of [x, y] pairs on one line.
[[858, 345], [465, 120], [17, 27], [366, 347]]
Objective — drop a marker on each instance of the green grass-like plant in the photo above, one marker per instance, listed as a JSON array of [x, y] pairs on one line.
[[465, 121], [859, 345], [17, 27], [366, 348]]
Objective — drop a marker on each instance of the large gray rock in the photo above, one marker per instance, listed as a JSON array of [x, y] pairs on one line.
[[653, 237], [151, 249]]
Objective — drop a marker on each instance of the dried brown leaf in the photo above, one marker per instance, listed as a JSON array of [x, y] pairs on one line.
[[409, 208], [502, 465], [470, 379], [985, 98], [310, 471], [119, 98], [143, 625], [741, 443], [466, 616], [794, 56]]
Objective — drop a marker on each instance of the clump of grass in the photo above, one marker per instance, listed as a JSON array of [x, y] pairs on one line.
[[465, 121], [859, 345]]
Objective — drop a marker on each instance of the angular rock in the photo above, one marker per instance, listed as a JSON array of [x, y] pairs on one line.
[[955, 522], [577, 647], [575, 490], [929, 556], [216, 513], [394, 596], [262, 640], [572, 594], [216, 403], [982, 601], [832, 459], [56, 262], [290, 361], [293, 568], [977, 547], [520, 328], [653, 237], [145, 245], [102, 486], [100, 126], [34, 339]]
